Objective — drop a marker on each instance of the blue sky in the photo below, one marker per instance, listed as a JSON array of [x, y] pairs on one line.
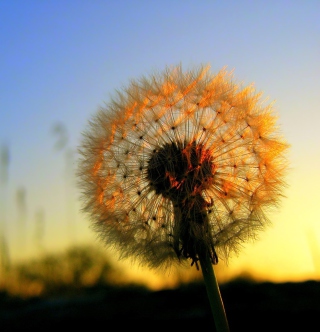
[[61, 60]]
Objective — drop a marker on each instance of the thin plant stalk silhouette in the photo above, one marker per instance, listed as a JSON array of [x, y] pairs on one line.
[[39, 230], [70, 194], [22, 217], [60, 130], [182, 166], [314, 248], [4, 176]]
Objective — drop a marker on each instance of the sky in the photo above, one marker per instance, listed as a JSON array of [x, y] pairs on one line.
[[61, 60]]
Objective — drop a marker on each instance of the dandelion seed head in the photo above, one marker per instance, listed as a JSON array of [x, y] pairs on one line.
[[181, 164]]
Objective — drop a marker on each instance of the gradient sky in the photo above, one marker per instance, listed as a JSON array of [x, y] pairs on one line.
[[60, 60]]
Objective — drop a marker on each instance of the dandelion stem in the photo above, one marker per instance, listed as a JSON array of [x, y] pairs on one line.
[[213, 291]]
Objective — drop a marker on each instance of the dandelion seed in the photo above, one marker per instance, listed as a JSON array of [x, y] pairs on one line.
[[182, 166]]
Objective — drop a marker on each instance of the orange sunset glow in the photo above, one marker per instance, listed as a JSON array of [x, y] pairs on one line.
[[64, 63]]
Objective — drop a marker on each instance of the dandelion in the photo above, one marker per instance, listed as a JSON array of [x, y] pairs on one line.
[[182, 166]]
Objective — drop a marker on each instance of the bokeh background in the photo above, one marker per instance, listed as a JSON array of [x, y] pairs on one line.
[[61, 60]]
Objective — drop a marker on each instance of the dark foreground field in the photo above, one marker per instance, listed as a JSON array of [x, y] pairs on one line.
[[249, 306]]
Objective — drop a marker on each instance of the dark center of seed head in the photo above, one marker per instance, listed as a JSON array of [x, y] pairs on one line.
[[179, 170]]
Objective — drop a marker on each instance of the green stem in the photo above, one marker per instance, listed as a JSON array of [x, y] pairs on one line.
[[213, 291]]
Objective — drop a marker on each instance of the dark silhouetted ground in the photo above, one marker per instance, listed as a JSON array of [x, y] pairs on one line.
[[250, 307]]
